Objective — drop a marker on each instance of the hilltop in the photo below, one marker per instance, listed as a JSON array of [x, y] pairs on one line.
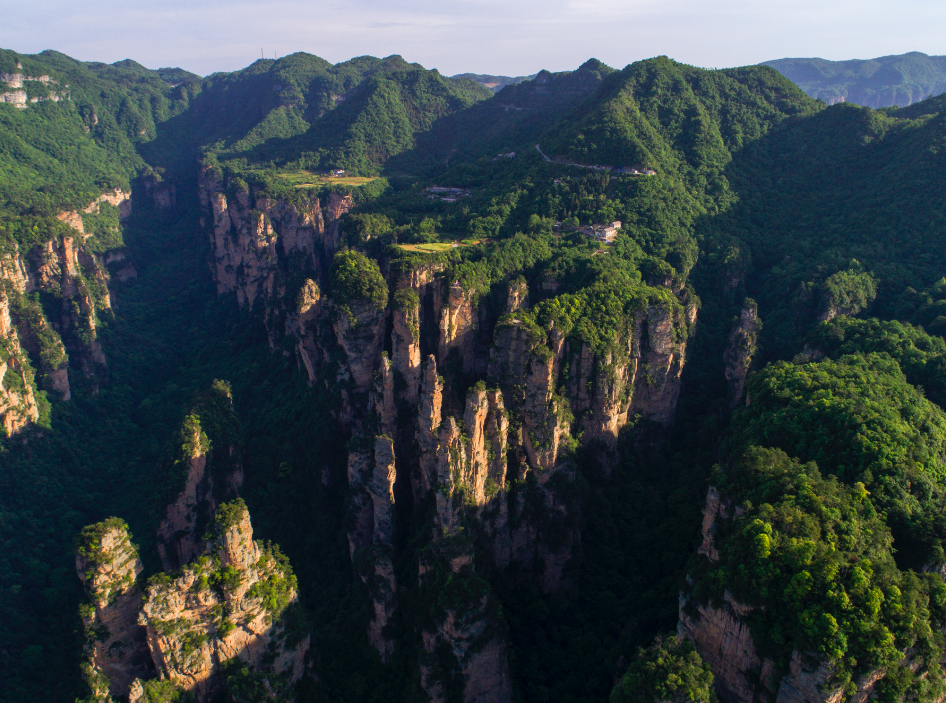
[[882, 82]]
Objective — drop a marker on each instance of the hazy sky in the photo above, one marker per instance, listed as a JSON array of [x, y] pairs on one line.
[[507, 37]]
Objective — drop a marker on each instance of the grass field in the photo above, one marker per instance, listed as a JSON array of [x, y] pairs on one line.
[[308, 179], [436, 247]]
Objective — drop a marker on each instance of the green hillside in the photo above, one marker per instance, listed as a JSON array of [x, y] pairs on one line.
[[494, 83], [888, 80], [828, 221]]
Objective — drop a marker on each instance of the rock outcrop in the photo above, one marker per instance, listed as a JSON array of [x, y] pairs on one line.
[[405, 342], [235, 603], [465, 645], [18, 406], [458, 325], [179, 539], [359, 331], [62, 268], [743, 343], [208, 472], [108, 566], [254, 236]]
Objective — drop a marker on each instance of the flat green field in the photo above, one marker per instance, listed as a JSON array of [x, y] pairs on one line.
[[435, 247], [308, 179]]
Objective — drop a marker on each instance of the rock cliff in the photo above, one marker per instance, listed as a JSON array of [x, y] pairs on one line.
[[476, 433], [18, 406], [253, 236], [743, 343], [466, 649], [108, 566], [64, 269], [236, 603], [207, 471]]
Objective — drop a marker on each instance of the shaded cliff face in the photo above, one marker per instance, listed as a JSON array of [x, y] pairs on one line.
[[743, 344], [234, 604], [466, 650], [208, 470], [359, 332], [642, 379], [109, 567], [178, 538]]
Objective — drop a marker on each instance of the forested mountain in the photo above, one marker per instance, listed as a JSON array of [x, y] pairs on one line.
[[509, 389], [882, 82], [494, 83]]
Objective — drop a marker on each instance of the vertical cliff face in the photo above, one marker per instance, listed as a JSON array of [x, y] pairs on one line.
[[639, 381], [108, 566], [372, 472], [405, 342], [234, 604], [466, 650], [517, 295], [208, 472], [458, 325], [359, 331], [178, 538], [484, 468], [254, 236], [64, 270], [743, 343], [18, 407], [527, 370], [462, 468]]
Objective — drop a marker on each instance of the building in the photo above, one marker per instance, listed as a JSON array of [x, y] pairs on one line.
[[603, 233], [637, 170]]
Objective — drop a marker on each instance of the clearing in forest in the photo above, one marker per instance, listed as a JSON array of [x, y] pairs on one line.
[[312, 179]]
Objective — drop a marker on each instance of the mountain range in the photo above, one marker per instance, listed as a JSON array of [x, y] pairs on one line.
[[358, 382]]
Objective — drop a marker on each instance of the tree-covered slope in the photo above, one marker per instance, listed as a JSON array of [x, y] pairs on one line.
[[60, 154], [494, 83], [794, 246], [888, 80], [304, 111]]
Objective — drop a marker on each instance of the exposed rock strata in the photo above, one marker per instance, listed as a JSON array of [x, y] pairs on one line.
[[360, 333], [215, 612], [18, 406], [371, 476], [405, 345], [109, 567], [457, 326]]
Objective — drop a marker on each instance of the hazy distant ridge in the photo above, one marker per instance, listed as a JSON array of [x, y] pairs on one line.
[[889, 80], [494, 83]]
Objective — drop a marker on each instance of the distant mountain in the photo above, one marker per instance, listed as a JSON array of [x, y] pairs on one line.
[[889, 80], [494, 83]]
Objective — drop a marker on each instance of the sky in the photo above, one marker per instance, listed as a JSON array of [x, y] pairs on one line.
[[500, 37]]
